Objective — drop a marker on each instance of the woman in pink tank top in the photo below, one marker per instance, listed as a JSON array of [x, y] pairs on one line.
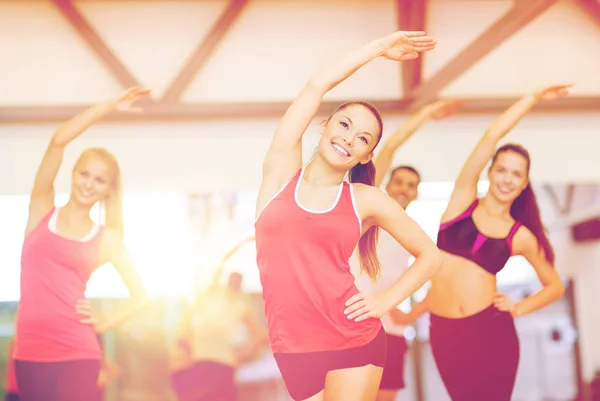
[[57, 354], [326, 336]]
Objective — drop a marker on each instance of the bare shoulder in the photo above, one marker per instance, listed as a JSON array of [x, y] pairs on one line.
[[364, 192], [524, 241], [111, 242], [369, 199]]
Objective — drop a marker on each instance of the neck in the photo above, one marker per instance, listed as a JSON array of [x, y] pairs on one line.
[[495, 208], [320, 173], [73, 211]]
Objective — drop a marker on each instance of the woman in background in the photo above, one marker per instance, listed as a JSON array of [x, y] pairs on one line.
[[57, 357], [473, 336], [207, 348]]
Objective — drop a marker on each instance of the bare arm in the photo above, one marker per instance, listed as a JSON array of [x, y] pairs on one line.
[[416, 311], [465, 187], [217, 275], [42, 194], [284, 156], [436, 110], [526, 244], [379, 209], [113, 250]]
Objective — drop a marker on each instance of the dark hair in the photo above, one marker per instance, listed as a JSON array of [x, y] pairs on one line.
[[525, 208], [365, 174], [409, 168]]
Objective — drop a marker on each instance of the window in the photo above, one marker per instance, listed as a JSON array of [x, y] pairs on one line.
[[156, 234]]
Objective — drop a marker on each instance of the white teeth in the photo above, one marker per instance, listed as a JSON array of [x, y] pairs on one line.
[[340, 149]]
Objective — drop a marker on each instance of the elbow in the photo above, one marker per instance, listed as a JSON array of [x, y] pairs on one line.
[[436, 261], [57, 142], [317, 86], [560, 290]]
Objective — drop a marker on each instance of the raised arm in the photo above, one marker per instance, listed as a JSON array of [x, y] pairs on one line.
[[214, 283], [436, 111], [376, 208], [42, 194], [465, 187], [284, 156]]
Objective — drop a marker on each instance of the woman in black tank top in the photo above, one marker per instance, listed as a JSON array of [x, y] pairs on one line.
[[472, 332]]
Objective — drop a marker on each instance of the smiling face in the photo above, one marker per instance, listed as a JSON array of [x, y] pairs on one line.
[[509, 173], [92, 179], [349, 136], [403, 185]]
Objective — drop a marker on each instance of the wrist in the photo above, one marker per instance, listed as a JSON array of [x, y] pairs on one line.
[[101, 327], [377, 48], [388, 301], [516, 311]]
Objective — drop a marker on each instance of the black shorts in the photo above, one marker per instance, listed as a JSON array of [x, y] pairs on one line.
[[304, 373], [54, 381], [393, 371]]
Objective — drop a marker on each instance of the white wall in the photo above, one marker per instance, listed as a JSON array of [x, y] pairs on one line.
[[228, 154]]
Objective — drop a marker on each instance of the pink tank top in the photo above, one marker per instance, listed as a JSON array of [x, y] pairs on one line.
[[54, 274], [303, 258]]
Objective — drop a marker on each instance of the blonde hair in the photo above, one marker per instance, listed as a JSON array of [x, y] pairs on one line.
[[112, 205]]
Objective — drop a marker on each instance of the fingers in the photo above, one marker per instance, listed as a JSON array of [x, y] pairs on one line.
[[366, 315], [410, 56], [88, 320], [420, 49], [354, 307], [422, 40], [355, 298], [83, 310], [414, 34], [359, 311]]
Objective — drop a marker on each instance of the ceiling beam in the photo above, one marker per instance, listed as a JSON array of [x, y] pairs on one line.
[[522, 13], [95, 43], [412, 15], [592, 7], [252, 110], [205, 50]]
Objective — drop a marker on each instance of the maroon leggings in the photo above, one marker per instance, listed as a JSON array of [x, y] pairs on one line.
[[58, 381], [477, 356]]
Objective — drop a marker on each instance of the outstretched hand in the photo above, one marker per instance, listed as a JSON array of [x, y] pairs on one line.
[[126, 100], [402, 46], [553, 92]]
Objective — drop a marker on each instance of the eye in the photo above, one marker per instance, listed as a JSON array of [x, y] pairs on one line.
[[364, 139], [100, 181], [83, 173], [344, 124]]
